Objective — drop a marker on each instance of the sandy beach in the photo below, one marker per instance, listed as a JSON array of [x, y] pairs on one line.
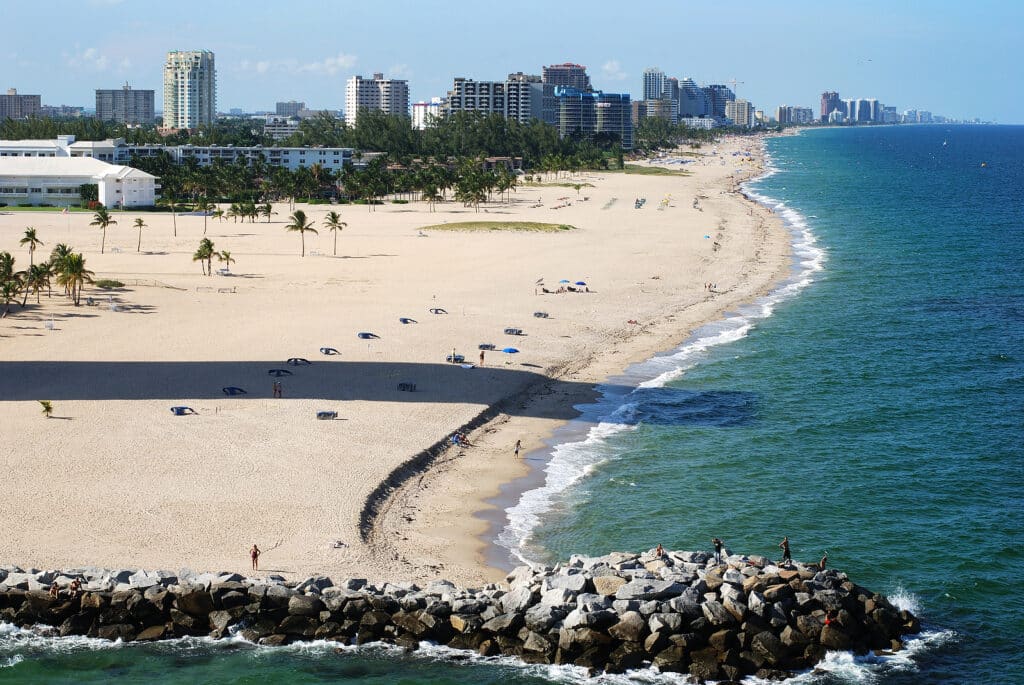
[[115, 479]]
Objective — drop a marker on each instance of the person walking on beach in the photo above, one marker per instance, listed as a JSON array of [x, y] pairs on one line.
[[717, 542], [519, 444], [254, 553], [481, 357], [786, 556]]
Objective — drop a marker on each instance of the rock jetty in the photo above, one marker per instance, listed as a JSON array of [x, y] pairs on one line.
[[679, 611]]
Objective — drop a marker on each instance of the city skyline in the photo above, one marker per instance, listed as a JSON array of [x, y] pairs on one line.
[[779, 55]]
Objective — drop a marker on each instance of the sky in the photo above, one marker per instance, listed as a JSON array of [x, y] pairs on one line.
[[956, 58]]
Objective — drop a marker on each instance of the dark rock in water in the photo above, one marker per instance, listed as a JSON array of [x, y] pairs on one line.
[[198, 603], [769, 647], [118, 631], [152, 633], [304, 605], [275, 640], [77, 624]]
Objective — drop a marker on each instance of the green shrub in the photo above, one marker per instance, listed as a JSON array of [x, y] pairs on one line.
[[107, 284], [399, 202]]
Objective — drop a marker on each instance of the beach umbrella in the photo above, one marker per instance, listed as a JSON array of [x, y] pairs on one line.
[[565, 280], [580, 283], [510, 350]]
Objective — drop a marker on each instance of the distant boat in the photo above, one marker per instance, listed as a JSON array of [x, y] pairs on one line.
[[945, 143], [984, 164]]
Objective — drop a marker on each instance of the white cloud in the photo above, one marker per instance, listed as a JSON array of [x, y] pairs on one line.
[[612, 70], [330, 65], [399, 71], [90, 58]]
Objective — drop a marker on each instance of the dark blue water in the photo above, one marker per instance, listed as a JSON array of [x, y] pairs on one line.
[[872, 408]]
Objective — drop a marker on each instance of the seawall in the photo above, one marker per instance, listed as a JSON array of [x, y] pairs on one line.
[[679, 611]]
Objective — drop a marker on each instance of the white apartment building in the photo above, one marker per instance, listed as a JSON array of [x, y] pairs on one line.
[[390, 96], [190, 89], [56, 181], [706, 123], [740, 112], [423, 112], [117, 151], [280, 127]]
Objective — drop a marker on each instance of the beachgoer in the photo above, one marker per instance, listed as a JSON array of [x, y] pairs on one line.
[[824, 560], [786, 556], [75, 588], [481, 357], [832, 616], [519, 444], [280, 389], [54, 590], [254, 553], [718, 549], [659, 551]]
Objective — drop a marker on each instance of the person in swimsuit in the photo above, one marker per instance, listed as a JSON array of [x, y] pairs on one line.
[[519, 444], [786, 556], [254, 553]]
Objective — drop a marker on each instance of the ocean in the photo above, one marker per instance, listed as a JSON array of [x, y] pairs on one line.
[[870, 407]]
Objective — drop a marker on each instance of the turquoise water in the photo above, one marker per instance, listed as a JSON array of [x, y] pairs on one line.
[[871, 407]]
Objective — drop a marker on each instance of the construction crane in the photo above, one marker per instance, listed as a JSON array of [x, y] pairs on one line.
[[735, 83]]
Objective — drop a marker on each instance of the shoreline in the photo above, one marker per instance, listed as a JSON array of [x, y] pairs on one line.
[[260, 469], [483, 513]]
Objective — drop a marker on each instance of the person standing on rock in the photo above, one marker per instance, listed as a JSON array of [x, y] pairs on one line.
[[717, 542], [786, 556], [254, 553]]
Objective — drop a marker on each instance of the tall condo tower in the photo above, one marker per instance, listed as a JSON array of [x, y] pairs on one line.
[[190, 89], [387, 95], [654, 83]]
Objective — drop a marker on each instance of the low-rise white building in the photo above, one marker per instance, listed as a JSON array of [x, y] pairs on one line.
[[57, 180]]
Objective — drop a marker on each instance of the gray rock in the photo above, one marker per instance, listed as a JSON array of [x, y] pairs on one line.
[[717, 615], [630, 627], [667, 623], [643, 589], [541, 618], [305, 605], [577, 582], [516, 601], [557, 597]]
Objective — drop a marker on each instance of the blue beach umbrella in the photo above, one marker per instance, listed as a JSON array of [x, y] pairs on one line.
[[580, 283], [510, 350], [565, 280]]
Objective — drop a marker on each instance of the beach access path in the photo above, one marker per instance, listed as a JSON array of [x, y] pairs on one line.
[[116, 480]]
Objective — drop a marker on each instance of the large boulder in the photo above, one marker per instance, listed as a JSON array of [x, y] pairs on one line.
[[630, 627], [608, 585], [717, 615], [305, 605], [516, 600], [646, 589], [768, 647], [195, 603]]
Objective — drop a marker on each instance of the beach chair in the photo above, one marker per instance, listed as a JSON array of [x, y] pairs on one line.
[[367, 336], [407, 386], [182, 411], [328, 351], [299, 361], [455, 359], [326, 415], [231, 391], [513, 331], [485, 346], [405, 319], [541, 315]]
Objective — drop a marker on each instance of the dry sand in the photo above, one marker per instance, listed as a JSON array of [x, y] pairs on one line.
[[114, 479]]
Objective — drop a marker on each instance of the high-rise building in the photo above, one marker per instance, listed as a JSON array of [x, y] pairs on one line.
[[671, 93], [390, 96], [521, 97], [654, 83], [289, 109], [124, 105], [717, 96], [190, 89], [590, 113], [740, 112], [15, 106], [693, 101], [567, 75], [829, 103]]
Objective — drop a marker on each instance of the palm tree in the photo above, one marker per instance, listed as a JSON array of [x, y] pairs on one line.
[[299, 224], [9, 293], [58, 257], [225, 256], [334, 223], [47, 407], [32, 241], [203, 205], [266, 210], [172, 204], [204, 255], [139, 224], [102, 219], [218, 214], [73, 275], [36, 278]]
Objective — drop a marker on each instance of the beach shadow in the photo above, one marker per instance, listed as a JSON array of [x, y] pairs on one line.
[[340, 381]]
